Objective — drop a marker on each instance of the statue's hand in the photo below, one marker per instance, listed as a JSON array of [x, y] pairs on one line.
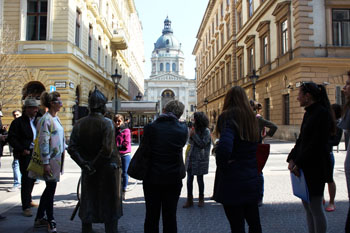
[[87, 168]]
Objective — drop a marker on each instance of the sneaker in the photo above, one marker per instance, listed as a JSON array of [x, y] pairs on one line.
[[14, 188], [37, 181], [40, 222], [52, 226], [27, 213], [2, 217]]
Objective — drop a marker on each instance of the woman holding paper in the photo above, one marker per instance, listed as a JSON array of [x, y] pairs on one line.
[[311, 153]]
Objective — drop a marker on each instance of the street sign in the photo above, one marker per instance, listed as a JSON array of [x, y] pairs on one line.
[[52, 88]]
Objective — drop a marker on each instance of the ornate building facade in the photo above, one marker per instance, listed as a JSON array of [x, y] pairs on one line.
[[167, 81], [285, 42], [73, 46]]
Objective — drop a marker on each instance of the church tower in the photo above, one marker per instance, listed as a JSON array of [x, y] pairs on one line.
[[167, 56]]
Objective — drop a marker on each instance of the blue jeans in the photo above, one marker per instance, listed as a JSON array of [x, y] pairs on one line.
[[16, 173], [125, 165]]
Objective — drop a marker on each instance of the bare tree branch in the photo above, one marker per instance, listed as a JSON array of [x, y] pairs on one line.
[[12, 67]]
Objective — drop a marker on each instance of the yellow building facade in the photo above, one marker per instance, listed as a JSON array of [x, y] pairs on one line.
[[73, 46], [287, 42]]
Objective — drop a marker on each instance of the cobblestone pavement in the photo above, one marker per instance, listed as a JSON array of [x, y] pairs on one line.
[[281, 212]]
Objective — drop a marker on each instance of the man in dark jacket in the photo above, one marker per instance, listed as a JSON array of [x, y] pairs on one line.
[[162, 185], [92, 146], [21, 137]]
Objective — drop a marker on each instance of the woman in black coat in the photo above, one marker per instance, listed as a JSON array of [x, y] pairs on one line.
[[237, 173], [311, 152]]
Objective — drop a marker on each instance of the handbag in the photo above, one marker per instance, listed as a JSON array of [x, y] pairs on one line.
[[36, 163], [262, 154], [139, 163]]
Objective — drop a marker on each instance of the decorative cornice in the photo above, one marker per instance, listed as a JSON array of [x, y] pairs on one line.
[[280, 6], [262, 24]]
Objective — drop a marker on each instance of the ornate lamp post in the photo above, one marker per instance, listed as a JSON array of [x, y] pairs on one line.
[[254, 77], [139, 96], [116, 79]]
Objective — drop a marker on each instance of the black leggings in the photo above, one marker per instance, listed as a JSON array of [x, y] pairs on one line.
[[190, 184], [46, 201], [237, 214]]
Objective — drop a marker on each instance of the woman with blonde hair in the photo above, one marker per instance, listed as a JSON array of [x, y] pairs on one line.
[[237, 175], [52, 146]]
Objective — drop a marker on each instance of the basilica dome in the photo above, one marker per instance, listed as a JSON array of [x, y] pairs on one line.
[[167, 40]]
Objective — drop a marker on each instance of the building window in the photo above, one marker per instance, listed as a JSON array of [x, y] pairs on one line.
[[77, 27], [286, 109], [99, 51], [174, 67], [250, 8], [161, 67], [284, 36], [339, 96], [341, 27], [240, 20], [267, 108], [167, 67], [106, 58], [223, 76], [90, 41], [228, 31], [251, 59], [227, 2], [222, 39], [217, 19], [240, 66], [36, 19], [217, 45], [228, 72], [222, 9], [192, 107], [265, 50]]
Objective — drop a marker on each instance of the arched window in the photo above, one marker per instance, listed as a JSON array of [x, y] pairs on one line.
[[161, 67], [174, 67], [167, 67]]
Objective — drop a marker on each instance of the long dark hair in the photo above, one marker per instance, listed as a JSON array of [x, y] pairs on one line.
[[238, 114], [201, 122], [318, 93]]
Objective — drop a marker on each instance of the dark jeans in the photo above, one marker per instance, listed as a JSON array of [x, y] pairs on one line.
[[261, 185], [27, 183], [237, 214], [125, 165], [190, 184], [46, 201], [161, 197]]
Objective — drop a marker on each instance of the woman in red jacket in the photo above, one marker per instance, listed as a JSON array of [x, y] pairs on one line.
[[123, 142]]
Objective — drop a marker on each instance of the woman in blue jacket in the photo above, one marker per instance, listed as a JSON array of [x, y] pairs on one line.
[[237, 175]]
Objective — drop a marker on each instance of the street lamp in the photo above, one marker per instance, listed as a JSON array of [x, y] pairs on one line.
[[139, 96], [116, 79], [254, 77]]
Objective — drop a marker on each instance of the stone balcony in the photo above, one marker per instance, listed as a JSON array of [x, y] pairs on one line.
[[119, 39]]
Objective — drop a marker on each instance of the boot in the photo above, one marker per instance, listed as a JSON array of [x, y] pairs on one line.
[[86, 227], [201, 201], [189, 202]]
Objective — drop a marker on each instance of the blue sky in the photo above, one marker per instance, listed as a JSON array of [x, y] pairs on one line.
[[186, 17]]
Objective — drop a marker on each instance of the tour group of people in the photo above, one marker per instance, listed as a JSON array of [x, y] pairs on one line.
[[102, 148]]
